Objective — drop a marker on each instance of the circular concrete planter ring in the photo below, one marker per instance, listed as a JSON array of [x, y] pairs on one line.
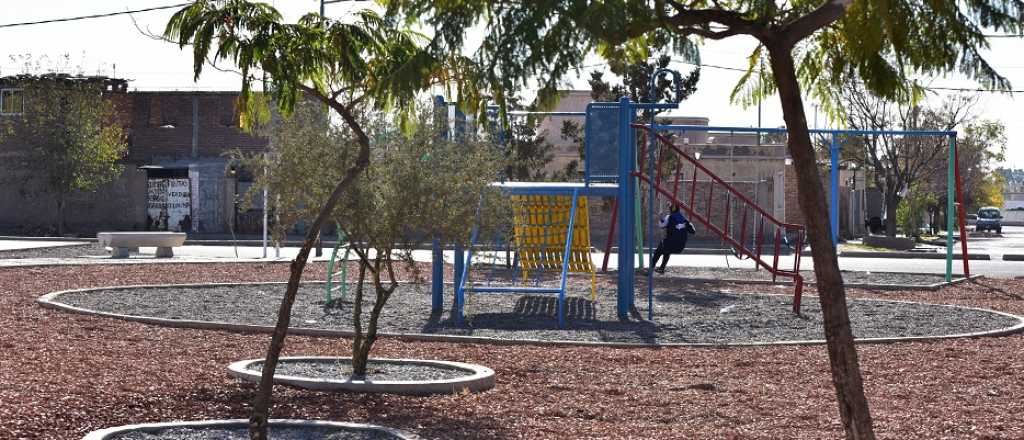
[[478, 378], [107, 433]]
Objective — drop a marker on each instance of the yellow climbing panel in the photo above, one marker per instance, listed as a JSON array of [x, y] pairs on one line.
[[541, 225]]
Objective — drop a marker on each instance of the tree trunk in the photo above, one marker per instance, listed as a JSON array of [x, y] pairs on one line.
[[261, 402], [892, 202], [61, 203], [357, 326], [361, 351], [853, 405]]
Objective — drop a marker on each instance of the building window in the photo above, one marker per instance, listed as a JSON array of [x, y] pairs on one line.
[[11, 102]]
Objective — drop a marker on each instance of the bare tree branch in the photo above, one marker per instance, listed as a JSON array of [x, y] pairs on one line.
[[808, 24]]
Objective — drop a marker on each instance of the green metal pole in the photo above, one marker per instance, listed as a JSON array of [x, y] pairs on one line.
[[950, 210]]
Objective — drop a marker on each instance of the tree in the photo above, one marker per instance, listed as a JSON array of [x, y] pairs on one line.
[[981, 145], [814, 44], [636, 82], [898, 163], [71, 132], [368, 62], [419, 186]]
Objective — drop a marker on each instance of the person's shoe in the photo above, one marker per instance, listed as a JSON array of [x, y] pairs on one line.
[[660, 270], [642, 271]]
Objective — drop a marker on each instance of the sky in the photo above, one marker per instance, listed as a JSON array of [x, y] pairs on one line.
[[114, 46]]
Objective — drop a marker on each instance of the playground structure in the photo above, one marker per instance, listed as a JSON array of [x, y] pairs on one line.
[[550, 230]]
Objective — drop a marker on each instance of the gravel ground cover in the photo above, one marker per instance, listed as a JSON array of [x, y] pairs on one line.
[[375, 370], [64, 374], [73, 251], [281, 433], [683, 314]]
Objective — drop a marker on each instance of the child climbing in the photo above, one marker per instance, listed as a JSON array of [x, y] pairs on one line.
[[677, 230]]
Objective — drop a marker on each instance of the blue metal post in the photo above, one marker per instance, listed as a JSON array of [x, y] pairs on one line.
[[457, 278], [627, 198], [950, 208], [653, 97], [437, 278], [565, 259], [834, 202], [459, 260]]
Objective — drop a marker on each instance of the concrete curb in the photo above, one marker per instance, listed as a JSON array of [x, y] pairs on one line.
[[911, 255], [930, 287], [479, 379], [49, 301], [107, 433], [116, 262], [16, 238]]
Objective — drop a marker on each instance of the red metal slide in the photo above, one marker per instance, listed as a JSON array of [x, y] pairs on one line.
[[732, 216]]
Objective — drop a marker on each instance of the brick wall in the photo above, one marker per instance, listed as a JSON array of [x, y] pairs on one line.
[[160, 128], [163, 125]]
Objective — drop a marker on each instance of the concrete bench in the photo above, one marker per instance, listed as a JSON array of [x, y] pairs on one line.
[[123, 243]]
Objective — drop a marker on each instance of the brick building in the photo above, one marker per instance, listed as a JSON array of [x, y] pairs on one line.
[[175, 177]]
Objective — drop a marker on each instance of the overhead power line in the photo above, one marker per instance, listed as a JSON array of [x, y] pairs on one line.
[[968, 89], [86, 17], [740, 69]]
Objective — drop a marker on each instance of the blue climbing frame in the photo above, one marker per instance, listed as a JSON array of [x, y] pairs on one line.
[[573, 190], [623, 185]]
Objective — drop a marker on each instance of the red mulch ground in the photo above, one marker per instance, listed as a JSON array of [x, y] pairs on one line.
[[62, 375]]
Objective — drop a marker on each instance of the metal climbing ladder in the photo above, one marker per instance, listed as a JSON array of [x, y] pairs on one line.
[[731, 215]]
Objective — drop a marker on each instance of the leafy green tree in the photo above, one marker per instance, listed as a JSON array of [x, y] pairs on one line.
[[980, 146], [808, 45], [636, 82], [70, 133], [368, 62], [419, 186], [899, 163], [528, 151]]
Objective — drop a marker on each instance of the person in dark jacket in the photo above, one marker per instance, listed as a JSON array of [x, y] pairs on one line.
[[676, 233]]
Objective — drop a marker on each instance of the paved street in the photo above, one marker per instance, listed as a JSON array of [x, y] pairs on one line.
[[1011, 243]]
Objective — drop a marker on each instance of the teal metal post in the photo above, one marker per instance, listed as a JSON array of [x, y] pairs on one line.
[[950, 208], [833, 204]]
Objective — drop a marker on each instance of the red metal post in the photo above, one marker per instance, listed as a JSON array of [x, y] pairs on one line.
[[711, 191], [743, 227], [775, 260], [799, 250], [728, 208], [675, 189], [759, 242], [799, 282], [693, 188], [960, 210], [657, 167]]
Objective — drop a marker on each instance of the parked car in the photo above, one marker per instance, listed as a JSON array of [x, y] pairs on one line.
[[989, 219]]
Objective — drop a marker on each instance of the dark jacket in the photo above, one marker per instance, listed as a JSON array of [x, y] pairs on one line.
[[675, 232]]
